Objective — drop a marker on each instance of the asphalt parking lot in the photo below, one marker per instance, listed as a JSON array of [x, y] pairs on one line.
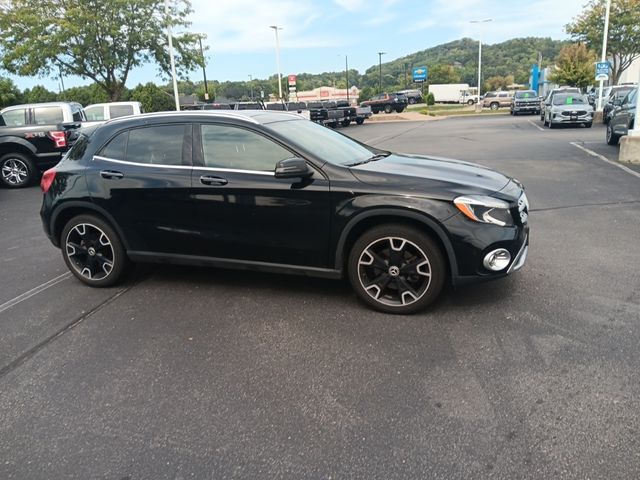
[[203, 373]]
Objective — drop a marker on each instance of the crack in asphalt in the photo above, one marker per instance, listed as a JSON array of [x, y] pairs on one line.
[[23, 357], [375, 141], [582, 205]]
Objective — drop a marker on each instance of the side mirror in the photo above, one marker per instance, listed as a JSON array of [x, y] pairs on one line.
[[293, 168]]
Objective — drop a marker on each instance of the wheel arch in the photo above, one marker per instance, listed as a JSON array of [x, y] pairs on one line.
[[71, 209], [372, 218], [17, 145]]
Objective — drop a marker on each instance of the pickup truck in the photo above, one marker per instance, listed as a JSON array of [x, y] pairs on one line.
[[386, 102], [34, 138]]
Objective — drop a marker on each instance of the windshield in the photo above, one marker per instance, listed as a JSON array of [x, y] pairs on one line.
[[327, 144], [527, 94], [569, 99]]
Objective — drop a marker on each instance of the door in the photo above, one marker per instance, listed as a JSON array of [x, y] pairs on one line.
[[245, 213], [142, 177]]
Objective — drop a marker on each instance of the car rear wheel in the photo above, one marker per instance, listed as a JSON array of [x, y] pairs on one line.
[[345, 123], [16, 170], [399, 110], [387, 109], [396, 269], [412, 100], [93, 251], [612, 138], [470, 102], [359, 121], [494, 106]]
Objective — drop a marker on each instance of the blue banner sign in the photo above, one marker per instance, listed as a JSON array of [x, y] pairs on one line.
[[420, 74]]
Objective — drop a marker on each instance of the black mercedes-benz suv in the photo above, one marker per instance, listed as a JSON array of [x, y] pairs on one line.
[[272, 191]]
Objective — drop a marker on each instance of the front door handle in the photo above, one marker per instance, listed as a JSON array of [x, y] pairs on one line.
[[110, 174], [211, 180]]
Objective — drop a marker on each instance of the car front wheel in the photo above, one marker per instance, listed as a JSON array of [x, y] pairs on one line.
[[387, 109], [612, 138], [92, 251], [396, 269], [494, 106]]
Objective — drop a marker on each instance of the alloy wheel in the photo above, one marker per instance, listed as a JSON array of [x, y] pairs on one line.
[[394, 271], [15, 172], [90, 251]]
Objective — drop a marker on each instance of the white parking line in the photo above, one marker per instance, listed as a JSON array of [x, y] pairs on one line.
[[34, 291], [605, 159], [537, 126]]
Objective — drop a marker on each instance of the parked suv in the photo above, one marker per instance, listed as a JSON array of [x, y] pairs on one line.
[[413, 96], [525, 101], [623, 118], [387, 103], [34, 137], [613, 100], [546, 103], [266, 190], [495, 100]]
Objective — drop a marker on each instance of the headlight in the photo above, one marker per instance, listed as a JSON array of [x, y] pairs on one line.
[[480, 208]]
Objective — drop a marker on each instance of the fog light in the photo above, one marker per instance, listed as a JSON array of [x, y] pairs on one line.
[[497, 260]]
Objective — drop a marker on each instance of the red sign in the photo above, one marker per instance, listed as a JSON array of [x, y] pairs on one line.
[[292, 79]]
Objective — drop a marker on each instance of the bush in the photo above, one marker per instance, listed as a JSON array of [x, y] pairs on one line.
[[431, 100]]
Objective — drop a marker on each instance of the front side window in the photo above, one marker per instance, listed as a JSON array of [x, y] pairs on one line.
[[240, 149], [95, 114], [15, 118], [116, 111], [157, 145], [116, 148], [47, 115]]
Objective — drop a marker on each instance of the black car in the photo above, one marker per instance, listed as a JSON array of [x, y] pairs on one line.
[[272, 191], [623, 118], [614, 100]]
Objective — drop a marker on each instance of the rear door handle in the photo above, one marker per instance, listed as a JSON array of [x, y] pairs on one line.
[[109, 174], [211, 180]]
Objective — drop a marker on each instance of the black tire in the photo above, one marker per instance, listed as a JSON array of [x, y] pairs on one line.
[[612, 138], [375, 110], [345, 123], [93, 251], [333, 124], [359, 121], [399, 110], [551, 124], [588, 125], [407, 264], [494, 106], [17, 170], [388, 109], [412, 101], [470, 102]]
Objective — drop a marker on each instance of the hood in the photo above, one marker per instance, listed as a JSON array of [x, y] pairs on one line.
[[435, 176]]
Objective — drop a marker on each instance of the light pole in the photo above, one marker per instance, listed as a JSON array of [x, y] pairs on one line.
[[604, 50], [204, 73], [346, 72], [275, 29], [380, 71], [173, 61], [251, 86], [486, 20]]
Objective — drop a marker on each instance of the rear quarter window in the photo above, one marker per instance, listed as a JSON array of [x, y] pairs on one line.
[[116, 111], [47, 115]]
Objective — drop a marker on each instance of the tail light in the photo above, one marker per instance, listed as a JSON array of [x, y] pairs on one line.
[[47, 179], [59, 137]]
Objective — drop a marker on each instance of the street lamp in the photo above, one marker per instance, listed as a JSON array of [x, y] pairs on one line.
[[172, 59], [486, 20], [204, 73], [604, 50], [380, 70], [275, 29], [251, 86], [346, 72]]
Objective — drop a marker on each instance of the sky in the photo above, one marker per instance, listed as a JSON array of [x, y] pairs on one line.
[[317, 34]]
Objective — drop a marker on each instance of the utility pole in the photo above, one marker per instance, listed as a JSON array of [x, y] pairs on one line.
[[251, 86], [479, 104], [380, 70], [204, 73], [276, 28], [173, 60], [604, 51]]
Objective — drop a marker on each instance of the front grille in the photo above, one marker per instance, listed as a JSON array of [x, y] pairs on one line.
[[574, 113]]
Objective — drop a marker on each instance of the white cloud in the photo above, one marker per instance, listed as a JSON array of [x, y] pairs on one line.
[[351, 5], [243, 25]]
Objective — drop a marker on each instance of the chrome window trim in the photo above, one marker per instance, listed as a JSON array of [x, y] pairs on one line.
[[235, 170], [137, 164]]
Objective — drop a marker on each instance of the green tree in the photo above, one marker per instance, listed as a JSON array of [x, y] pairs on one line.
[[38, 94], [9, 93], [623, 43], [85, 95], [152, 98], [574, 66], [440, 73], [498, 82], [101, 40]]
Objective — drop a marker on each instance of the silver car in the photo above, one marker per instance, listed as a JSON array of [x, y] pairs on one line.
[[568, 109]]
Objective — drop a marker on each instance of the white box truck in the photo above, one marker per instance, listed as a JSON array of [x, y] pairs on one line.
[[452, 93]]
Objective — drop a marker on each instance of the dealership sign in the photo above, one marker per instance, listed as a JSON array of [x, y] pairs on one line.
[[420, 74]]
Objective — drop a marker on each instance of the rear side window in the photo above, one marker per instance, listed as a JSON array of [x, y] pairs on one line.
[[158, 144], [95, 114], [15, 118], [116, 147], [47, 115], [116, 111], [77, 114]]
